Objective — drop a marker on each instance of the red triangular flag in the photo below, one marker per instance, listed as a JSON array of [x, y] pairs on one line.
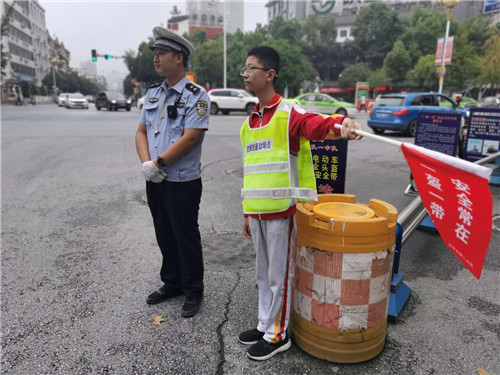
[[456, 193]]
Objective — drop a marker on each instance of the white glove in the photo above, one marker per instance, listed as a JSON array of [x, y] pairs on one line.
[[152, 173]]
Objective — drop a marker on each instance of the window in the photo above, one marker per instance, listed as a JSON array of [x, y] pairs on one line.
[[391, 101], [235, 93], [424, 100], [308, 98], [343, 33], [444, 102], [203, 17]]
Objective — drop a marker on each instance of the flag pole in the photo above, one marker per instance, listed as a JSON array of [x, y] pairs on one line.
[[373, 136]]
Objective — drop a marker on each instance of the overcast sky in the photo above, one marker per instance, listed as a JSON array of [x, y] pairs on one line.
[[112, 27]]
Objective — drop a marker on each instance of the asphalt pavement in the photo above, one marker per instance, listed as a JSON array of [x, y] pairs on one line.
[[79, 257]]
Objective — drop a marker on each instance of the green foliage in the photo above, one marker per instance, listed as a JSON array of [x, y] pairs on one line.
[[490, 62], [4, 27], [354, 73], [397, 62], [376, 29], [423, 74], [318, 44], [378, 78], [71, 82], [477, 31], [465, 67], [278, 28], [295, 67], [208, 62], [425, 26], [141, 65], [128, 87]]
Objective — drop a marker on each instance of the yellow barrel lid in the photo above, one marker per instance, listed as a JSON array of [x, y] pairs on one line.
[[342, 211]]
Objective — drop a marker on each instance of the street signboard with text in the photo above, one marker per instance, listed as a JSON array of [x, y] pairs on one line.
[[329, 162], [447, 53]]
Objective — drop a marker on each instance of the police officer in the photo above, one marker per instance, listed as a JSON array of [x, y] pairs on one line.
[[173, 121]]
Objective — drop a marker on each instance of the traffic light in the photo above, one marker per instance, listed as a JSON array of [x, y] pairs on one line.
[[94, 55], [108, 57]]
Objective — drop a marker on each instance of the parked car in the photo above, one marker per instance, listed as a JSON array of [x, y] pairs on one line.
[[487, 102], [61, 99], [112, 101], [323, 103], [140, 102], [227, 100], [76, 100], [400, 111]]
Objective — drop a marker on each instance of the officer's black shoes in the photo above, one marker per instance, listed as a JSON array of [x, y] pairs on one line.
[[251, 336], [162, 294], [264, 350], [191, 307]]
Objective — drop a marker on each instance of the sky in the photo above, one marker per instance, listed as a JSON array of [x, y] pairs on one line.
[[111, 27]]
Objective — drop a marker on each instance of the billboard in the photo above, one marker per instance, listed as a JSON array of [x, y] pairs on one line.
[[491, 6]]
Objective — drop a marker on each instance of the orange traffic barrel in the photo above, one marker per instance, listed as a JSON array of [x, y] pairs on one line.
[[342, 262]]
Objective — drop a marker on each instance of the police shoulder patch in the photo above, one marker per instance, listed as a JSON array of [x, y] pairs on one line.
[[193, 88], [201, 108], [153, 85]]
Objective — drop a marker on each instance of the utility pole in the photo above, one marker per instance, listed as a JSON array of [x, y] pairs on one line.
[[450, 4], [225, 47]]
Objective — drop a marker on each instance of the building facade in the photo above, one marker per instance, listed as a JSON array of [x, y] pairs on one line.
[[26, 43], [346, 11], [208, 15]]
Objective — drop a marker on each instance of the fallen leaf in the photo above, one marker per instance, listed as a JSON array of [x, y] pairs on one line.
[[482, 372], [158, 320]]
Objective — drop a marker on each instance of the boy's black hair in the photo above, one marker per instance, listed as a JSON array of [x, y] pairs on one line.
[[268, 57]]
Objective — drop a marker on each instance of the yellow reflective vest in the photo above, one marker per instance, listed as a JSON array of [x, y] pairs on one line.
[[274, 179]]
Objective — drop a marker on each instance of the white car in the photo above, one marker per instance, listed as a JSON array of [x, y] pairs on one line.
[[140, 102], [61, 99], [76, 100], [227, 100]]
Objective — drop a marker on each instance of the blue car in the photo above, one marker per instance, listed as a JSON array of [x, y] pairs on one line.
[[400, 111]]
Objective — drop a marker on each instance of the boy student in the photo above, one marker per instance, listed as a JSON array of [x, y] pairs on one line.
[[278, 172]]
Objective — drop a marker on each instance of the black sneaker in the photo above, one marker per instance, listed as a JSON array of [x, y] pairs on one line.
[[251, 336], [162, 294], [191, 307], [264, 350]]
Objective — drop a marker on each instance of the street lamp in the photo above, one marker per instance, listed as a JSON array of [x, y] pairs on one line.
[[449, 4]]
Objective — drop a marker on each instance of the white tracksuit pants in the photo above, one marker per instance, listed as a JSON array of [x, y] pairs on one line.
[[273, 241]]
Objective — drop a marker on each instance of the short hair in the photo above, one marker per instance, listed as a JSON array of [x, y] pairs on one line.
[[267, 56], [184, 59]]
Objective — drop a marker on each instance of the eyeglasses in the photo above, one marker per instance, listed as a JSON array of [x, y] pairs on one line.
[[250, 70]]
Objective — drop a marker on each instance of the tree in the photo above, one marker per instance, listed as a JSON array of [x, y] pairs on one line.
[[424, 27], [4, 29], [476, 31], [423, 75], [378, 78], [279, 28], [141, 65], [71, 82], [397, 62], [208, 62], [465, 67], [490, 73], [376, 29], [294, 65], [318, 44], [354, 73]]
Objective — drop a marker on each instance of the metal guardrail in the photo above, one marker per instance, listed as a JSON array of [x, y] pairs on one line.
[[411, 217]]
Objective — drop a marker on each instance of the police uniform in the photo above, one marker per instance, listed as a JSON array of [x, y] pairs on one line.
[[174, 202]]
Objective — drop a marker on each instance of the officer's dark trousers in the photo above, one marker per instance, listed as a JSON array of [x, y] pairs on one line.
[[174, 207]]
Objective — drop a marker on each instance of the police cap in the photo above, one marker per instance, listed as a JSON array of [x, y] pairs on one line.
[[170, 41]]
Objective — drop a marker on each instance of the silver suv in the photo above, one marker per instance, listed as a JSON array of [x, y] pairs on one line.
[[227, 100]]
